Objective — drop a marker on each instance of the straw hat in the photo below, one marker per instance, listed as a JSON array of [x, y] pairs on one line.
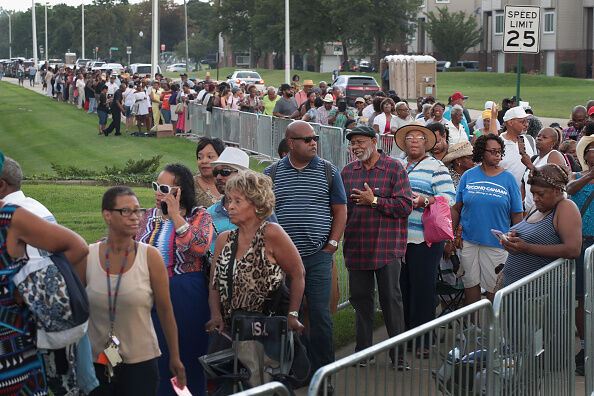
[[415, 126], [328, 98], [308, 83], [580, 150], [457, 150]]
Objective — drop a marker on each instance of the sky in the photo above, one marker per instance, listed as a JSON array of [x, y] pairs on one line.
[[22, 5]]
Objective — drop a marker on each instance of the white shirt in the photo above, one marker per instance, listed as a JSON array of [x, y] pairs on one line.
[[528, 198], [201, 95], [111, 87], [143, 107], [35, 207], [368, 111], [479, 124], [80, 83], [512, 161], [457, 135], [129, 97]]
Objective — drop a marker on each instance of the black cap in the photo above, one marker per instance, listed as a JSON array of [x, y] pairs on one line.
[[183, 75], [363, 130]]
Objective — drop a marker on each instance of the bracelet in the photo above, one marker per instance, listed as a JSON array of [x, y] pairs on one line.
[[182, 229]]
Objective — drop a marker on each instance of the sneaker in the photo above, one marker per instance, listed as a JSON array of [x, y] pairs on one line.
[[365, 363], [580, 364], [401, 365], [118, 134]]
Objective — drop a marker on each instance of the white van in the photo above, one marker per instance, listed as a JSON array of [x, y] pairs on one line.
[[143, 69]]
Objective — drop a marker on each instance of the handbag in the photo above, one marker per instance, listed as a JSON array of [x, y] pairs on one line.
[[437, 221], [179, 108]]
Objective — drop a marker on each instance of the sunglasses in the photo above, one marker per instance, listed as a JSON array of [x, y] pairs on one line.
[[163, 188], [223, 172], [308, 139], [415, 138]]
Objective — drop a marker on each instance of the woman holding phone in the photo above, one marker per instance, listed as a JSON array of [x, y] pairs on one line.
[[182, 233]]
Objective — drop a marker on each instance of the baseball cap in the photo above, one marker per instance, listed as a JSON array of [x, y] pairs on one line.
[[362, 130], [515, 112], [328, 98], [591, 111], [193, 78], [183, 75], [359, 100], [458, 96], [489, 104]]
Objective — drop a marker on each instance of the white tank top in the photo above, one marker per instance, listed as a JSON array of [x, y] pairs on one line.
[[133, 323], [528, 198]]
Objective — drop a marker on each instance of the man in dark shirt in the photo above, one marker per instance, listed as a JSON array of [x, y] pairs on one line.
[[286, 105], [116, 111], [374, 242]]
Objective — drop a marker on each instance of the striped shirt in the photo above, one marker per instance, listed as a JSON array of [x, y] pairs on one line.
[[429, 178], [303, 202]]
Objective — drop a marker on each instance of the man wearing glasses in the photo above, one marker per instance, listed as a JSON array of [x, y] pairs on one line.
[[311, 207], [516, 121], [226, 167], [380, 201]]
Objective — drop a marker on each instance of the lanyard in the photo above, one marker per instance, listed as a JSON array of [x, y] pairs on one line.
[[112, 308]]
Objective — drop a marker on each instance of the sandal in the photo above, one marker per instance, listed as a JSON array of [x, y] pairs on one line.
[[425, 353]]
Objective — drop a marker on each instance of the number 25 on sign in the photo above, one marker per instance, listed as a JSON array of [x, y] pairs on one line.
[[522, 29]]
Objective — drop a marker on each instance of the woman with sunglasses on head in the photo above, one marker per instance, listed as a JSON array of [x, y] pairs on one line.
[[429, 178], [120, 305], [182, 231], [489, 193]]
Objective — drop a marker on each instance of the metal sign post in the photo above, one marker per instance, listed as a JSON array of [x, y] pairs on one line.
[[521, 34], [128, 51]]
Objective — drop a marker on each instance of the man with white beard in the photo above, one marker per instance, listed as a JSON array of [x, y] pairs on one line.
[[374, 242]]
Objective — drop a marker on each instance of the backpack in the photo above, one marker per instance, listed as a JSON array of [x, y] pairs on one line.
[[55, 298], [327, 170]]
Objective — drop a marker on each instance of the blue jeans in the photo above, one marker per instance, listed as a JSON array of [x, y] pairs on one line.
[[318, 290], [102, 117], [166, 115], [92, 104]]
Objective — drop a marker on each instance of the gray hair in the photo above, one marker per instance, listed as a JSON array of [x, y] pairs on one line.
[[427, 106], [12, 173], [400, 104], [271, 87], [457, 109]]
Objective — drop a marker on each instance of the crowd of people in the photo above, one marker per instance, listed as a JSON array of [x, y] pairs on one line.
[[182, 268]]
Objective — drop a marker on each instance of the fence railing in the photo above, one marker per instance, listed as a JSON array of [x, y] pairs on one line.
[[589, 319], [269, 389], [520, 345]]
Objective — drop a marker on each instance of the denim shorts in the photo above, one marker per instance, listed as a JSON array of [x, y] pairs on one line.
[[128, 110], [102, 117]]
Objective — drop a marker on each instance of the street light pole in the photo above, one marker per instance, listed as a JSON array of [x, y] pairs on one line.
[[34, 23], [155, 39], [187, 52], [9, 37], [287, 45], [83, 31], [46, 49]]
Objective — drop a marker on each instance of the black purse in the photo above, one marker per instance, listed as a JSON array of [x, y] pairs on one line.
[[276, 303]]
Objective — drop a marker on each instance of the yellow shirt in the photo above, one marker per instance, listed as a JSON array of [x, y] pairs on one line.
[[269, 104]]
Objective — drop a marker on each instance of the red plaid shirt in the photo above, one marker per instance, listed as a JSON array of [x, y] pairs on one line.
[[376, 236]]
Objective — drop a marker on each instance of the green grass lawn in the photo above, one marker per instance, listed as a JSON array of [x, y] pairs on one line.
[[548, 96]]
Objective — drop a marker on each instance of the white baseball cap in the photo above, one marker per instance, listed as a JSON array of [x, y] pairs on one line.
[[515, 112], [233, 157], [489, 104]]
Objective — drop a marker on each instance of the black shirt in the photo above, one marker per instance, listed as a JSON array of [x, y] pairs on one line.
[[117, 96], [103, 103]]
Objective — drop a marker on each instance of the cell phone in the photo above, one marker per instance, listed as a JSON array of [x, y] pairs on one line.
[[182, 392], [499, 235], [164, 208]]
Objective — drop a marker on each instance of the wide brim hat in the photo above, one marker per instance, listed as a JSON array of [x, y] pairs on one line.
[[400, 134], [581, 148], [456, 151], [308, 83], [328, 98], [233, 157]]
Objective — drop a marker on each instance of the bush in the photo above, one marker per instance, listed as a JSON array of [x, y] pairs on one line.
[[566, 69], [456, 69], [515, 69]]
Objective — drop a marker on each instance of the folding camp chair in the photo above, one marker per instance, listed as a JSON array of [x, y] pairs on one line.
[[449, 287]]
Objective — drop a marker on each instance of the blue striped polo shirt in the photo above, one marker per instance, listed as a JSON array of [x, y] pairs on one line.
[[303, 202]]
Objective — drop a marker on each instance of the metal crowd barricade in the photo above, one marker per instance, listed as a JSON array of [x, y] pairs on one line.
[[456, 364], [589, 319], [535, 333], [269, 389]]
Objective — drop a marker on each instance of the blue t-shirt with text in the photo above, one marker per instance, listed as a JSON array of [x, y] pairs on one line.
[[488, 203]]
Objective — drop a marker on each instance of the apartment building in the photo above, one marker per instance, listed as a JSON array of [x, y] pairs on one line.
[[566, 35]]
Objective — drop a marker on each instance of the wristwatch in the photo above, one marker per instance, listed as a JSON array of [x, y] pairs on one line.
[[332, 242], [374, 203], [426, 201], [294, 314]]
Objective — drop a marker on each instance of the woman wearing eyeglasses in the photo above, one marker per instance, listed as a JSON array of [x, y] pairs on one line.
[[490, 194], [182, 233], [428, 178], [121, 303]]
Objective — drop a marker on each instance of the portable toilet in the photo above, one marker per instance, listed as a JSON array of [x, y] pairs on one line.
[[412, 76]]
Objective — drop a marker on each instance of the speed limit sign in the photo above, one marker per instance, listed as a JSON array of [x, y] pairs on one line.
[[522, 29]]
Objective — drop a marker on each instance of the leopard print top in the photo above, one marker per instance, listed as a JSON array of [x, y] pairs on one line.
[[254, 276]]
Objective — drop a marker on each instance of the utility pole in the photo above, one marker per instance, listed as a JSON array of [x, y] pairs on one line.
[[9, 37], [46, 49], [83, 31], [187, 52], [155, 39], [33, 22], [287, 45]]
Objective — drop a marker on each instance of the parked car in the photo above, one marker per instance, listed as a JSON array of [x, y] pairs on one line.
[[116, 68], [245, 76], [356, 86], [178, 68], [366, 67], [348, 65], [143, 69], [442, 66], [471, 66], [81, 63], [97, 65]]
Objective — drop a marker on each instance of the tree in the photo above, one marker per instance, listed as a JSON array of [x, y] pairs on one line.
[[453, 34]]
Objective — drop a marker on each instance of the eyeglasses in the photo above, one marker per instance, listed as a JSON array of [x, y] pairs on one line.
[[358, 142], [223, 172], [308, 139], [415, 138], [163, 188], [494, 151], [125, 212]]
